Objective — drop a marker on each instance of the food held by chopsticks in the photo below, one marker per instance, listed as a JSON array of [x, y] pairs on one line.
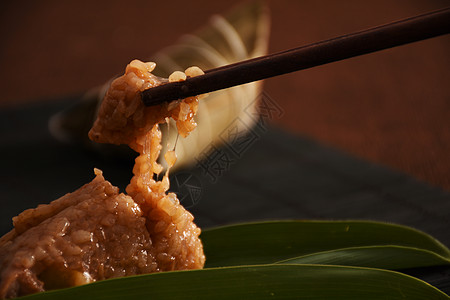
[[96, 232]]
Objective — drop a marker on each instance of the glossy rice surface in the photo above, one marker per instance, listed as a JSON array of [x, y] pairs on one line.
[[96, 232]]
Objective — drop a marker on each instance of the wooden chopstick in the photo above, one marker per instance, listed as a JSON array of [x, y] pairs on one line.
[[394, 34]]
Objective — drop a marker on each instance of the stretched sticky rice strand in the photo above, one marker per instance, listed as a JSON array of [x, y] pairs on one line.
[[170, 226]]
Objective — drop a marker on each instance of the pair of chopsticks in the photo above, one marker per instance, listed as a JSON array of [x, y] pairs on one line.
[[394, 34]]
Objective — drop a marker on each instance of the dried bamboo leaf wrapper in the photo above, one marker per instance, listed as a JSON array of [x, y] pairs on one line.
[[240, 34], [243, 34]]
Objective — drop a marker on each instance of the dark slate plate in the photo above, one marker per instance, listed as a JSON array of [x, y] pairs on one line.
[[267, 174]]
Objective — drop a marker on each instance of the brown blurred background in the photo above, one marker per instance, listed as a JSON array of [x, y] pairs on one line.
[[391, 107]]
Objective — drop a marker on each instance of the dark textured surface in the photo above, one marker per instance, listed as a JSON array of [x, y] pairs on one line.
[[283, 176]]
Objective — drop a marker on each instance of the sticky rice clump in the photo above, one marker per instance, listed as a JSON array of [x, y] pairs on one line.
[[124, 119], [96, 232]]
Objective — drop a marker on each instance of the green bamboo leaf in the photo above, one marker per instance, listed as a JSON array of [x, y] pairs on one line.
[[269, 242], [256, 282], [382, 257]]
